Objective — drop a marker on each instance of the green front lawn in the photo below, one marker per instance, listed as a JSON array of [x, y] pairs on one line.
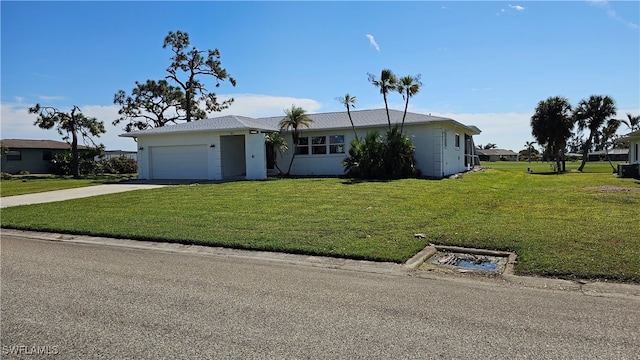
[[571, 225], [20, 185]]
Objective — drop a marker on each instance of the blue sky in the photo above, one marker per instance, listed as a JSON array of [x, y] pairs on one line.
[[482, 63]]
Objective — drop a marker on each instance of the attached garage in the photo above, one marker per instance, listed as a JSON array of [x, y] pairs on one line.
[[179, 162]]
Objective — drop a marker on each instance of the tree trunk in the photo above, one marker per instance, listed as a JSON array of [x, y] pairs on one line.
[[606, 152], [75, 161], [386, 106], [585, 151], [351, 120], [406, 105], [188, 104], [293, 156]]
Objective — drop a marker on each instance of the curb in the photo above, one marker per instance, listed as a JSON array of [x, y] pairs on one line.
[[594, 288]]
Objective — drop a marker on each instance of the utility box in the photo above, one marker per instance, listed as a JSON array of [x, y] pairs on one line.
[[629, 170]]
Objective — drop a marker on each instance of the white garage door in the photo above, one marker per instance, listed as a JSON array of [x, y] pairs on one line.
[[179, 162]]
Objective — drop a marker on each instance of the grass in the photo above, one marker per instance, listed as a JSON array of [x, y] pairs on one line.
[[574, 225], [19, 185]]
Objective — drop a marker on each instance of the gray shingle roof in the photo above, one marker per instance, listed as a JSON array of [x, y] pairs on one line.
[[321, 121], [495, 152], [37, 144]]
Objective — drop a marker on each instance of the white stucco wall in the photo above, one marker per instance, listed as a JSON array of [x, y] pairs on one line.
[[634, 152], [256, 156], [433, 159], [254, 152]]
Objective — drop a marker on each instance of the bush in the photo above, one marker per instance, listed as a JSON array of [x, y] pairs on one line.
[[118, 165], [61, 164], [377, 158]]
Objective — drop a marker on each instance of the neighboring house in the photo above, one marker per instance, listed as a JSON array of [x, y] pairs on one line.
[[632, 168], [614, 155], [33, 156], [233, 147], [497, 155]]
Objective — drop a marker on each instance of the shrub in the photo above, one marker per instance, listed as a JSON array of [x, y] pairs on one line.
[[376, 158], [61, 164], [118, 165]]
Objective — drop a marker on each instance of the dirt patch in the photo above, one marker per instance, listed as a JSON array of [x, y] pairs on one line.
[[610, 189]]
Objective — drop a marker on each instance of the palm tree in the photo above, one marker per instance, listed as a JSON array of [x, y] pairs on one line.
[[408, 86], [551, 126], [276, 144], [592, 114], [529, 146], [296, 118], [607, 135], [387, 82], [632, 122], [349, 102]]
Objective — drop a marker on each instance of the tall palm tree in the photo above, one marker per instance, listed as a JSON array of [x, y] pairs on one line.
[[529, 146], [387, 82], [349, 102], [551, 126], [408, 86], [592, 114], [295, 118]]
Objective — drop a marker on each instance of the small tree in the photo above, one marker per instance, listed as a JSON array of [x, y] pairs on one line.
[[349, 102], [295, 119], [278, 145], [193, 64], [72, 124], [530, 148]]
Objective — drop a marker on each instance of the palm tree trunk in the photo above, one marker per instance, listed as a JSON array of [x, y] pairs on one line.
[[351, 120], [406, 105], [585, 151], [293, 156], [606, 152], [386, 106]]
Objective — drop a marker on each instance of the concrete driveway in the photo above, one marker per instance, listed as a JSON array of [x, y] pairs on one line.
[[67, 194]]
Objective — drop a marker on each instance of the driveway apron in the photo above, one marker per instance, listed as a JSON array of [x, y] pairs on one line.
[[67, 194]]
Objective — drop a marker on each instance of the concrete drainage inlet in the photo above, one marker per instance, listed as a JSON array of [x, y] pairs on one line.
[[466, 259], [469, 261]]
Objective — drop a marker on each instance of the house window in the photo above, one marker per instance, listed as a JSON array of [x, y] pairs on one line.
[[336, 144], [444, 138], [302, 148], [319, 145], [457, 140], [47, 155], [14, 155]]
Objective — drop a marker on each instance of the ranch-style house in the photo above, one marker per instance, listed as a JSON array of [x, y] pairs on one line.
[[233, 147]]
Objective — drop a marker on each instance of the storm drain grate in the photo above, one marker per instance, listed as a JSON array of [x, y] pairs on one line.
[[471, 262]]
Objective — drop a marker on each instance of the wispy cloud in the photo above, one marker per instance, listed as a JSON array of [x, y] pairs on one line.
[[514, 7], [373, 42], [612, 13]]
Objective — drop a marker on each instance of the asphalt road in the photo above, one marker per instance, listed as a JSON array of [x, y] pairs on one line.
[[82, 301]]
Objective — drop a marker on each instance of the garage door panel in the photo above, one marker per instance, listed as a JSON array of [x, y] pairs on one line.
[[179, 162]]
